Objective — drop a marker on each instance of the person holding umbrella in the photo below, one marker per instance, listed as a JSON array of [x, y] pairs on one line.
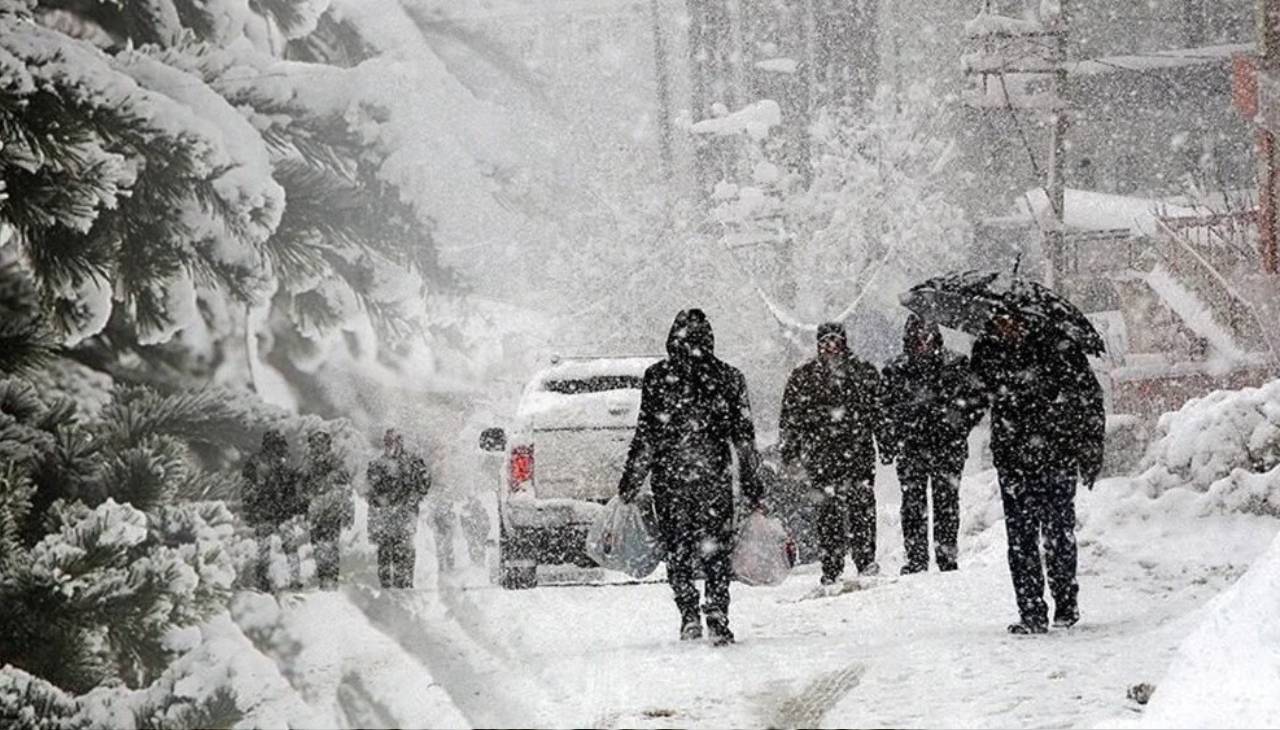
[[930, 402], [1048, 423]]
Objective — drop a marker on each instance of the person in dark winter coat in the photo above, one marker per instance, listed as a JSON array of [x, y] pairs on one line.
[[930, 401], [330, 507], [1047, 430], [693, 410], [270, 500], [830, 415], [398, 480]]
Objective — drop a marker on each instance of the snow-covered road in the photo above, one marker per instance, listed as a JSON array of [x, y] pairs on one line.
[[924, 650]]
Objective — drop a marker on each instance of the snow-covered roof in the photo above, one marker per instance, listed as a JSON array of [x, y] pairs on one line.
[[1180, 58], [989, 24], [1092, 211]]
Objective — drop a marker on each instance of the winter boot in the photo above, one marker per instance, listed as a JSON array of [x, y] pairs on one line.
[[871, 569], [946, 555], [1064, 617], [690, 626], [1026, 628], [718, 627], [910, 568]]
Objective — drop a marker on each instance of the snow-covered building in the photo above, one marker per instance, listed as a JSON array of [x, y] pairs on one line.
[[1158, 221], [1133, 75]]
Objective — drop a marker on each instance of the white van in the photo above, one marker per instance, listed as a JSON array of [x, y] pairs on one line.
[[564, 456]]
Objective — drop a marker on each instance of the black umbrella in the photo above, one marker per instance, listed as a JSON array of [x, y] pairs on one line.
[[967, 301], [963, 300]]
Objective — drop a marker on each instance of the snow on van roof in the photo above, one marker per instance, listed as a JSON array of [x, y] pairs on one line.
[[577, 369]]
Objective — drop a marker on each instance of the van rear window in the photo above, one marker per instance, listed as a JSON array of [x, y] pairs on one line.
[[593, 384]]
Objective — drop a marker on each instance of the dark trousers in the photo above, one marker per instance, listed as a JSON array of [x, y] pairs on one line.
[[395, 562], [324, 546], [916, 477], [698, 532], [847, 524], [1041, 506]]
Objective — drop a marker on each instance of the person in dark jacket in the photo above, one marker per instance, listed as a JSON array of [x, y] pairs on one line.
[[930, 401], [1047, 430], [398, 480], [270, 500], [830, 415], [330, 507], [693, 410]]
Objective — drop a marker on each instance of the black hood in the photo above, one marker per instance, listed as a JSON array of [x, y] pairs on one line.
[[830, 329], [691, 339]]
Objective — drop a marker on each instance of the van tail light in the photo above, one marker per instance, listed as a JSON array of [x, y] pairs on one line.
[[520, 475]]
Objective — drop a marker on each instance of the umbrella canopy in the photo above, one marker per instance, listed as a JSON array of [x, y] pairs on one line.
[[967, 301]]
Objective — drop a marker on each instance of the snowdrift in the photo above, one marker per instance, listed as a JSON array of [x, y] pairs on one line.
[[1227, 672]]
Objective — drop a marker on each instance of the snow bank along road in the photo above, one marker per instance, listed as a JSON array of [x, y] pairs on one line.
[[926, 649]]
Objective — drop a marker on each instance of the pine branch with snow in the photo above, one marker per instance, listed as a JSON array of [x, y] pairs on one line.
[[26, 340]]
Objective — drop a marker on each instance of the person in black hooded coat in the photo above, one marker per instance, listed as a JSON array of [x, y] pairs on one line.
[[930, 402], [829, 423], [693, 410], [1048, 426]]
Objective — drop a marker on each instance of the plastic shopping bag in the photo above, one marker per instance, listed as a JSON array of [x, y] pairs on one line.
[[622, 539], [764, 553]]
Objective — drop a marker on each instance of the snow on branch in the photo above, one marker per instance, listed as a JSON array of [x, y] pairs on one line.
[[754, 120]]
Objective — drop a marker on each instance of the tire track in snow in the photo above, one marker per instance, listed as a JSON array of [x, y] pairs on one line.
[[818, 697], [472, 677], [360, 707]]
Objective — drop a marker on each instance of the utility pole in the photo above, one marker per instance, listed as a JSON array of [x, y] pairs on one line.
[[1033, 53], [1057, 184]]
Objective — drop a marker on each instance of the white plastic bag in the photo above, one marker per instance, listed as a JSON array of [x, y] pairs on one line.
[[764, 553], [622, 539]]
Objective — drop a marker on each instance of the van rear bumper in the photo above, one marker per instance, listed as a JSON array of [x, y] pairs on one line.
[[547, 514], [547, 531]]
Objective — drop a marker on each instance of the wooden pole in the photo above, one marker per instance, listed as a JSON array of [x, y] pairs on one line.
[[1057, 159], [1269, 64]]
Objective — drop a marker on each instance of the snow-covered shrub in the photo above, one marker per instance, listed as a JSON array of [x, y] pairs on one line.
[[108, 594], [30, 703], [224, 680], [1226, 444]]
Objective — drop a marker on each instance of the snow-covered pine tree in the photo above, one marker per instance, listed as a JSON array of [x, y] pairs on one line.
[[151, 150], [110, 555]]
